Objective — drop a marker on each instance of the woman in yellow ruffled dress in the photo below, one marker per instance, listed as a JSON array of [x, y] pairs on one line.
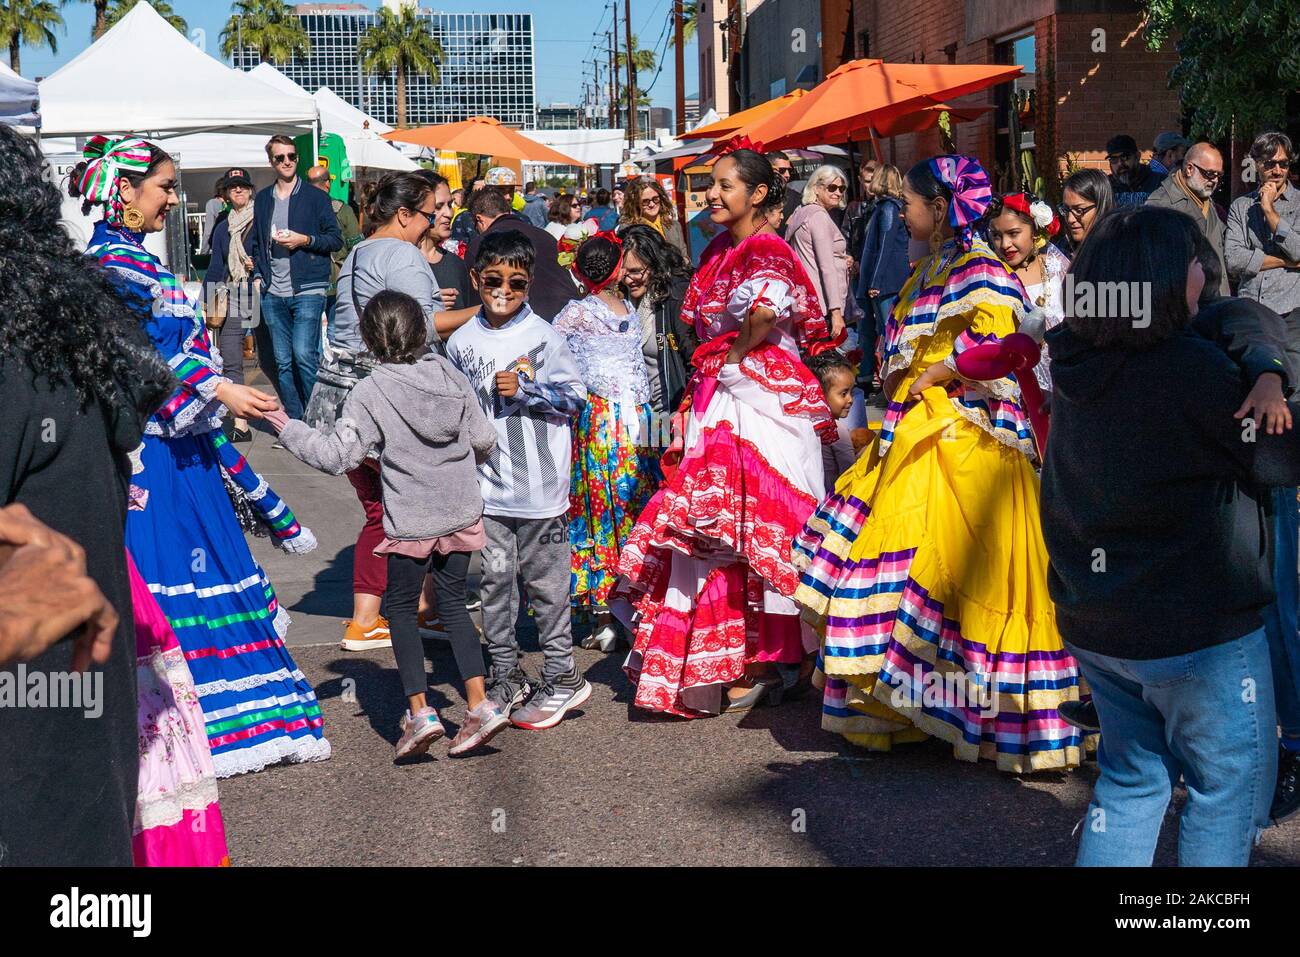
[[925, 570]]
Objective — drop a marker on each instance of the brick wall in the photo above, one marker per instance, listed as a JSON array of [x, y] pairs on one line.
[[1084, 98], [1098, 95], [924, 31]]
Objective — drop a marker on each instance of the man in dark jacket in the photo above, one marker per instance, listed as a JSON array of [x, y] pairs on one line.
[[1131, 180], [552, 287], [295, 232]]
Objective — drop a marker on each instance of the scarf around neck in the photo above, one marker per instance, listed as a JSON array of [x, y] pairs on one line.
[[238, 222]]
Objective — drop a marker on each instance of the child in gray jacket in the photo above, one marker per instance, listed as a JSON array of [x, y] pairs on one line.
[[419, 415]]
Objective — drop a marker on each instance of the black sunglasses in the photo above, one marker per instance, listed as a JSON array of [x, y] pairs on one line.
[[1211, 175], [496, 282], [290, 157], [1275, 164]]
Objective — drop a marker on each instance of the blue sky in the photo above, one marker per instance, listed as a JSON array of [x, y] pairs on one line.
[[563, 38]]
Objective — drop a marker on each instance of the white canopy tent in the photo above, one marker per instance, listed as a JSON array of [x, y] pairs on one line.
[[104, 90], [360, 133], [19, 98]]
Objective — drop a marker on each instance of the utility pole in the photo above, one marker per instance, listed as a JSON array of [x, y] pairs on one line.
[[613, 69], [631, 78], [679, 28]]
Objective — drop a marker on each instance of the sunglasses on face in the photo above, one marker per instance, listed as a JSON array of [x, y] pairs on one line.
[[1275, 164], [835, 189], [1210, 175], [634, 274], [428, 215], [287, 158], [785, 171], [496, 282], [650, 201]]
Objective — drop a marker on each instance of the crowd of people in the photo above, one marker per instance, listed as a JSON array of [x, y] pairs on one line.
[[653, 451]]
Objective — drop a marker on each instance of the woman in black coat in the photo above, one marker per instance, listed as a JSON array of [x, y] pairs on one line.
[[78, 377]]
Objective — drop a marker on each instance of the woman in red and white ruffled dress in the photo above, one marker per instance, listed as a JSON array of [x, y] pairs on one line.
[[707, 565]]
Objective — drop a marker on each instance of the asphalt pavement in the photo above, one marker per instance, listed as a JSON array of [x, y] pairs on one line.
[[610, 785]]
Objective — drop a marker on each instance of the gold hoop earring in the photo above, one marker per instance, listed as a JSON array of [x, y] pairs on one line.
[[132, 218]]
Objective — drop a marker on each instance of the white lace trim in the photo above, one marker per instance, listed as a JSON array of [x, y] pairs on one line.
[[249, 682], [267, 753], [197, 419], [169, 809], [282, 621], [300, 544], [260, 492], [980, 418]]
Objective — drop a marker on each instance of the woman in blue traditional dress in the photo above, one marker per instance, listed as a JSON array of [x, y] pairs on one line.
[[182, 529]]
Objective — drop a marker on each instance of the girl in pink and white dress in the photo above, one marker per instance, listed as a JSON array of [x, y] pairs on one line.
[[708, 562]]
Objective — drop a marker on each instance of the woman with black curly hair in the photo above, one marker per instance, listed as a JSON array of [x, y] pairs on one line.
[[77, 380], [182, 530], [655, 279]]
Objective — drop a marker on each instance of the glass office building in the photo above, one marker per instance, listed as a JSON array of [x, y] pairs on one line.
[[487, 67]]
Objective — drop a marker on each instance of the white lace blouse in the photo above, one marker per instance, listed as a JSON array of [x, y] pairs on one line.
[[607, 348]]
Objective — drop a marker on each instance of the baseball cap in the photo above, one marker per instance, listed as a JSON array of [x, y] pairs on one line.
[[236, 176], [1121, 144], [501, 176], [1170, 141]]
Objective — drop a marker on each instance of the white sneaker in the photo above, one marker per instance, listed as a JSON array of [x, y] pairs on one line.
[[606, 639]]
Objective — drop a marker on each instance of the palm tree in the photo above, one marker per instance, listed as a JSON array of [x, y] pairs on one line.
[[28, 23], [401, 42], [643, 61], [121, 8], [267, 26], [101, 18], [690, 18]]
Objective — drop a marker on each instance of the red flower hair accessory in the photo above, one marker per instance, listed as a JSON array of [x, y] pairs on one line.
[[1035, 210], [739, 143]]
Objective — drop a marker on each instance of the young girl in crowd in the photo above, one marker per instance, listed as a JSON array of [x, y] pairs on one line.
[[1019, 228], [836, 375], [421, 416], [615, 470]]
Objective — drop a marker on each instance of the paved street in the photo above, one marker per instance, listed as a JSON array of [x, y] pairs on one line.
[[609, 785]]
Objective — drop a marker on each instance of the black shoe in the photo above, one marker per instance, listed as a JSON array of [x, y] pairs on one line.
[[241, 435], [1286, 795], [1081, 715]]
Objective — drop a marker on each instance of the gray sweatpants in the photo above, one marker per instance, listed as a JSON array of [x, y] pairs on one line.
[[535, 551]]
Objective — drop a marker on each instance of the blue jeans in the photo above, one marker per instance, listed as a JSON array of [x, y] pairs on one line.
[[871, 329], [1206, 717], [294, 326], [1280, 624]]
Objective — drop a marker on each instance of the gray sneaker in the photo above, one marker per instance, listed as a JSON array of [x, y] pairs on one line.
[[480, 726], [549, 704], [511, 691]]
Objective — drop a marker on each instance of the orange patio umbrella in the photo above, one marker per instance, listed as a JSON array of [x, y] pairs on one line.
[[863, 94], [738, 121], [926, 118], [485, 136]]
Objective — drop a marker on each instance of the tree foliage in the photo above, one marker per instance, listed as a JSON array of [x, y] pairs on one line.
[[1238, 59], [29, 23], [401, 43], [267, 26], [121, 8]]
